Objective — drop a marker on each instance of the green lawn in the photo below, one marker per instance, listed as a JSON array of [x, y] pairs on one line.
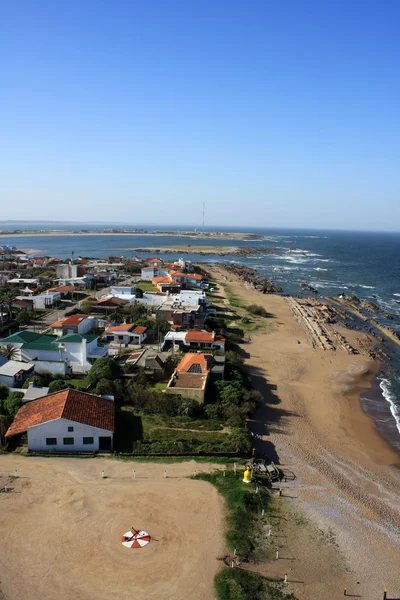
[[146, 286], [174, 435]]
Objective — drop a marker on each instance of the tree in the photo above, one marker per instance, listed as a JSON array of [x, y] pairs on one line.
[[162, 326], [13, 403], [87, 306], [9, 351], [23, 317], [104, 388], [103, 368], [57, 385], [3, 392]]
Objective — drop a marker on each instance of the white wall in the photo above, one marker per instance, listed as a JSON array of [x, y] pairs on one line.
[[87, 325], [56, 368], [59, 429]]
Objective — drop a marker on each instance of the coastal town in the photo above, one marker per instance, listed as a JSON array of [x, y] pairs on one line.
[[133, 358]]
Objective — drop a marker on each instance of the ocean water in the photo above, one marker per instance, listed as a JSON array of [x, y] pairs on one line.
[[364, 264]]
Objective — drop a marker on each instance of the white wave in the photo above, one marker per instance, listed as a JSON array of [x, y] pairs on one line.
[[394, 408], [396, 294], [367, 287], [319, 269]]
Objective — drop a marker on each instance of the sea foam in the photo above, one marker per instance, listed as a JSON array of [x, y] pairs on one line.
[[388, 395]]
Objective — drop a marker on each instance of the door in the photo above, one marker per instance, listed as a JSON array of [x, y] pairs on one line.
[[104, 444]]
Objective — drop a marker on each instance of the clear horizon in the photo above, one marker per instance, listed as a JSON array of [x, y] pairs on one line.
[[284, 116]]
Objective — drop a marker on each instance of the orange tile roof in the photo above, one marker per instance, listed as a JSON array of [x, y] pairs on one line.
[[176, 274], [199, 336], [190, 359], [156, 280], [72, 320], [194, 276], [154, 260], [72, 405], [113, 300], [139, 329], [122, 327]]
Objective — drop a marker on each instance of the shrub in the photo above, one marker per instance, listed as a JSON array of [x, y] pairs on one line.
[[256, 309]]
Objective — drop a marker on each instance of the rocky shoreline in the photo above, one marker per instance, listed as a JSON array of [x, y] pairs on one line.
[[252, 278], [243, 252]]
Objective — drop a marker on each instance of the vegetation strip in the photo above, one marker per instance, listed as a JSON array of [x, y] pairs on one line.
[[244, 508]]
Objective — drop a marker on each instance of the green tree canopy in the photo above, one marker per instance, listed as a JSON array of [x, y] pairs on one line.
[[103, 368]]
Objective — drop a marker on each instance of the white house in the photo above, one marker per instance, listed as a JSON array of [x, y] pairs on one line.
[[13, 373], [66, 421], [80, 324], [126, 333], [148, 273], [125, 292], [55, 354], [46, 300]]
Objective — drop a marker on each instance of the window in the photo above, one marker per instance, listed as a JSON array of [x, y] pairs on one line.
[[88, 440], [68, 441], [70, 428], [51, 441]]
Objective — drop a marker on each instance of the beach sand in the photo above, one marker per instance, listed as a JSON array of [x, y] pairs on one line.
[[346, 476]]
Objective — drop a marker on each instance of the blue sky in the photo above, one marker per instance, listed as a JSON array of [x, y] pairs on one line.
[[273, 113]]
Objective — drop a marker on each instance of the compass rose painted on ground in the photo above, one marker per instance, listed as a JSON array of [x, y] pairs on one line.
[[135, 539]]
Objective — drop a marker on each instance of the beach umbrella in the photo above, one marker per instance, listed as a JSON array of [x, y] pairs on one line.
[[135, 539]]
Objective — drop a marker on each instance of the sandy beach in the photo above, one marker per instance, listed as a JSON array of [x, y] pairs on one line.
[[347, 476]]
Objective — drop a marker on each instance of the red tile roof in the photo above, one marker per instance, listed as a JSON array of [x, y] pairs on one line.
[[190, 359], [139, 330], [194, 276], [72, 405], [122, 327], [72, 320], [199, 336]]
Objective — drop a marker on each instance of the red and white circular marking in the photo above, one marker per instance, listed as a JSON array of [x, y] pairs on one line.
[[135, 539]]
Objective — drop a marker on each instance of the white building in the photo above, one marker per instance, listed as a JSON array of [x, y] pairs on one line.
[[13, 373], [67, 271], [57, 355], [125, 292], [126, 333], [66, 421]]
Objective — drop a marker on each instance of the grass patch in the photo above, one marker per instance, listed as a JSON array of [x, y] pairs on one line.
[[159, 385], [146, 286], [243, 520], [184, 423], [237, 584]]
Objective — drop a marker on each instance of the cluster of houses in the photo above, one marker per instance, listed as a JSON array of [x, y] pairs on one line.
[[75, 421]]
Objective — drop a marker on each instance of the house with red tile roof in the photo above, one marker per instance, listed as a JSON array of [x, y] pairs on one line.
[[194, 339], [125, 333], [66, 421], [80, 324], [190, 377]]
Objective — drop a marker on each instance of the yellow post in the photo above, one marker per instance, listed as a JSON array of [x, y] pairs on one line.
[[247, 475]]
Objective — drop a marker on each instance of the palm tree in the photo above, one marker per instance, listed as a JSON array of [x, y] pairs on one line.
[[9, 351]]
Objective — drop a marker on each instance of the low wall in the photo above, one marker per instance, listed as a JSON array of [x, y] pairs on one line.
[[49, 366]]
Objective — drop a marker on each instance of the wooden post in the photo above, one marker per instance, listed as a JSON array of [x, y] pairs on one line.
[[16, 473], [234, 468], [102, 474], [285, 580], [277, 554], [134, 474], [165, 474], [224, 473]]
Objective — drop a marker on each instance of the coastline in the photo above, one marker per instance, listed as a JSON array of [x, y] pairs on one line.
[[312, 421]]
